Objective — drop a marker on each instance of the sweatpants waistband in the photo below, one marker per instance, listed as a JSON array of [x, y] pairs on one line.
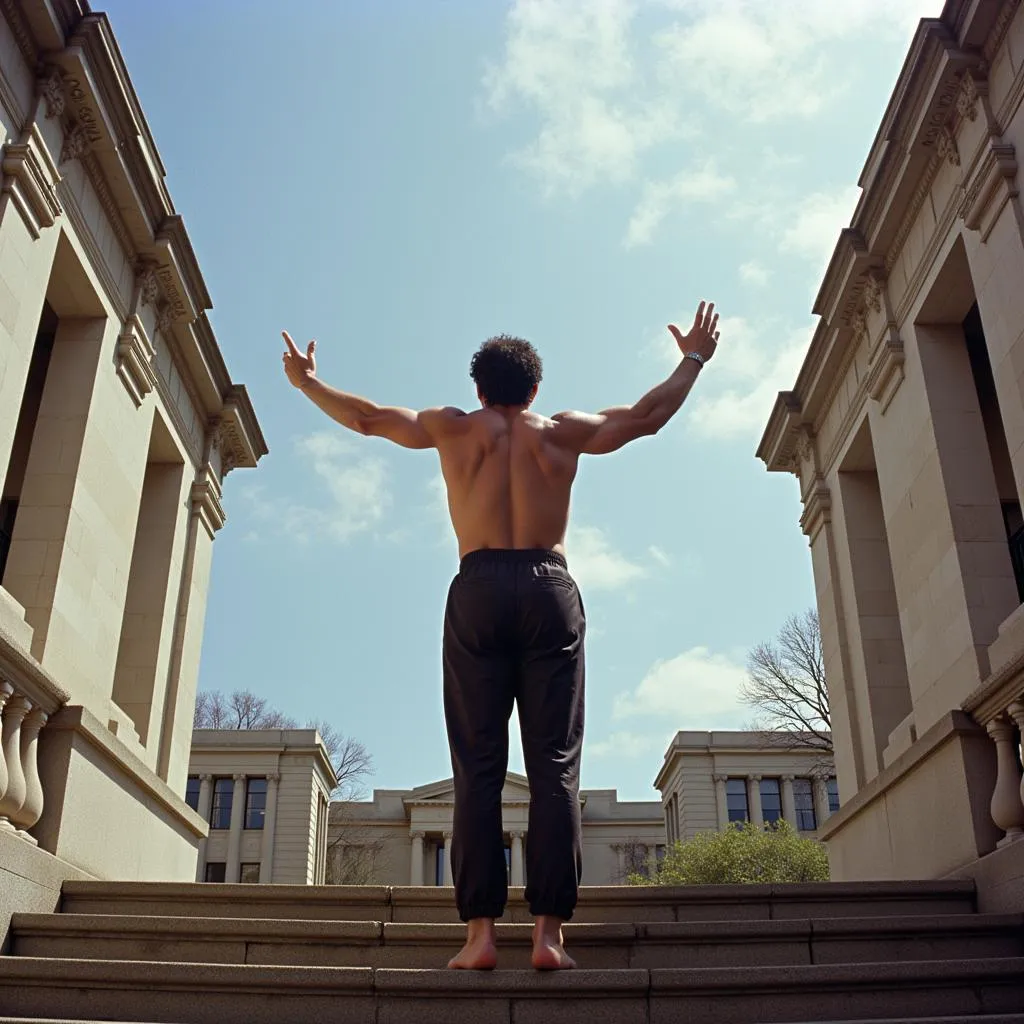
[[512, 556]]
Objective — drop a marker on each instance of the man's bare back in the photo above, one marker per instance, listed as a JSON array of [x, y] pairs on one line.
[[514, 623]]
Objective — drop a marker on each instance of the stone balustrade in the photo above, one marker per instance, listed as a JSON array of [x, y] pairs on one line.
[[998, 707], [28, 699]]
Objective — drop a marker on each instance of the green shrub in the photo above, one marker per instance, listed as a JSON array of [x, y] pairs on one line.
[[742, 853]]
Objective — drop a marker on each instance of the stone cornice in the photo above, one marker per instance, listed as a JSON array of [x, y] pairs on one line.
[[30, 178], [940, 86], [84, 83]]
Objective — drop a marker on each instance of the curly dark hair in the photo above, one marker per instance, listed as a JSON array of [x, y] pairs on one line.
[[506, 370]]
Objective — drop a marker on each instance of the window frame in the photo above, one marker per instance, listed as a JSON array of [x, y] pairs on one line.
[[746, 800], [257, 780], [217, 804]]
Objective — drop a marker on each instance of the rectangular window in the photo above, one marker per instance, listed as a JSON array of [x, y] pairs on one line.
[[508, 863], [736, 798], [255, 802], [215, 871], [833, 795], [439, 865], [771, 801], [249, 874], [220, 811], [803, 797], [192, 792]]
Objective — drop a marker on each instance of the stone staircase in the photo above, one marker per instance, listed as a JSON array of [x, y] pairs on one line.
[[235, 954]]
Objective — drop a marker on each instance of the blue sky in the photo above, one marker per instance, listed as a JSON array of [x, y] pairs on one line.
[[405, 178]]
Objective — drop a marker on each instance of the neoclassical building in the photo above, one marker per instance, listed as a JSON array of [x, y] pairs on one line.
[[118, 423], [264, 793], [905, 432], [402, 837], [711, 779]]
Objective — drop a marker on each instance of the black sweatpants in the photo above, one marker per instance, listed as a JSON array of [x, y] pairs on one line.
[[513, 632]]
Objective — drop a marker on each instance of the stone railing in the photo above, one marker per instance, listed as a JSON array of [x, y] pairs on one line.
[[998, 706], [28, 698]]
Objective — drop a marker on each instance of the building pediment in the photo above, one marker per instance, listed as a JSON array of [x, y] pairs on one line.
[[516, 789]]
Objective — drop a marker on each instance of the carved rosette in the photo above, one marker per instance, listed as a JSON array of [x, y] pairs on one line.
[[52, 87], [76, 144]]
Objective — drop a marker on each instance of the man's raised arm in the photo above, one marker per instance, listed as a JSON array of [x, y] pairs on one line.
[[405, 427], [607, 431]]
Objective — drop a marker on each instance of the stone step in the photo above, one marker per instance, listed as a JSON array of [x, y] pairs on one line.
[[598, 904], [280, 941], [228, 994], [171, 993]]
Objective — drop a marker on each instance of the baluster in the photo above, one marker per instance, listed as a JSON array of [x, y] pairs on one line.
[[1007, 808], [1016, 710], [32, 806], [14, 714], [6, 692]]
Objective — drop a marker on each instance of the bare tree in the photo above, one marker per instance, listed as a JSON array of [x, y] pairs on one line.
[[242, 709], [786, 686]]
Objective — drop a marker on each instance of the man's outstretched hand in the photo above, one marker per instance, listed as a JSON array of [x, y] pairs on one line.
[[300, 369], [703, 336]]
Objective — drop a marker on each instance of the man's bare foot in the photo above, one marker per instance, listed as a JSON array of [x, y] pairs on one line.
[[548, 946], [480, 953]]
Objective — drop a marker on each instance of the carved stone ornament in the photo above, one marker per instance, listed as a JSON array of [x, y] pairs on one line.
[[165, 318], [967, 100], [53, 93], [859, 326], [945, 146], [76, 144], [873, 293], [150, 286]]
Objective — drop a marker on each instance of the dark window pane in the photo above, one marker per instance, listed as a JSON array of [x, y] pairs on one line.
[[803, 797], [771, 801], [220, 811], [215, 871], [439, 866], [736, 799], [249, 874], [833, 795], [255, 802], [192, 792]]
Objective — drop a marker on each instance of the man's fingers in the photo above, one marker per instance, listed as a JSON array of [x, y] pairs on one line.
[[310, 349], [708, 316], [698, 316], [291, 344], [676, 333]]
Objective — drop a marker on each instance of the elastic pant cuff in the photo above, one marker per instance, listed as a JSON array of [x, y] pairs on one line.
[[494, 910]]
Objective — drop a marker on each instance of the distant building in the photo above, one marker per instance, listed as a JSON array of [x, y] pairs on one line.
[[710, 779], [409, 833], [265, 795]]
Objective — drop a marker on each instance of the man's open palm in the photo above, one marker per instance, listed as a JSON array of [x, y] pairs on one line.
[[299, 367], [703, 335]]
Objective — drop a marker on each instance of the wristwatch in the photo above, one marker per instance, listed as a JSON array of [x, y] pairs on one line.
[[695, 356]]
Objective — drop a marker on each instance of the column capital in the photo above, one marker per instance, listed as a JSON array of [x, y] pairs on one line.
[[447, 835], [206, 777], [418, 834], [720, 777], [273, 776], [754, 778], [517, 834], [239, 777], [787, 778]]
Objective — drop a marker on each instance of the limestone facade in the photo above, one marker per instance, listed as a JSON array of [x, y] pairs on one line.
[[711, 779], [905, 432], [264, 793], [118, 423], [408, 833]]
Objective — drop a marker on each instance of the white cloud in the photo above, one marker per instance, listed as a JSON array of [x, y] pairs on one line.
[[753, 273], [659, 555], [762, 62], [595, 564], [353, 491], [695, 689], [660, 198], [572, 63], [627, 744], [816, 222]]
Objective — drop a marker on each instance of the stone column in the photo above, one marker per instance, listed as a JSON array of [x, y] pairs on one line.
[[203, 810], [754, 813], [788, 800], [32, 806], [269, 830], [448, 859], [517, 859], [721, 801], [235, 831], [821, 808], [10, 802], [416, 861]]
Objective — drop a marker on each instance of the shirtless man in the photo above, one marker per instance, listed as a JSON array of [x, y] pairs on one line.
[[514, 622]]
